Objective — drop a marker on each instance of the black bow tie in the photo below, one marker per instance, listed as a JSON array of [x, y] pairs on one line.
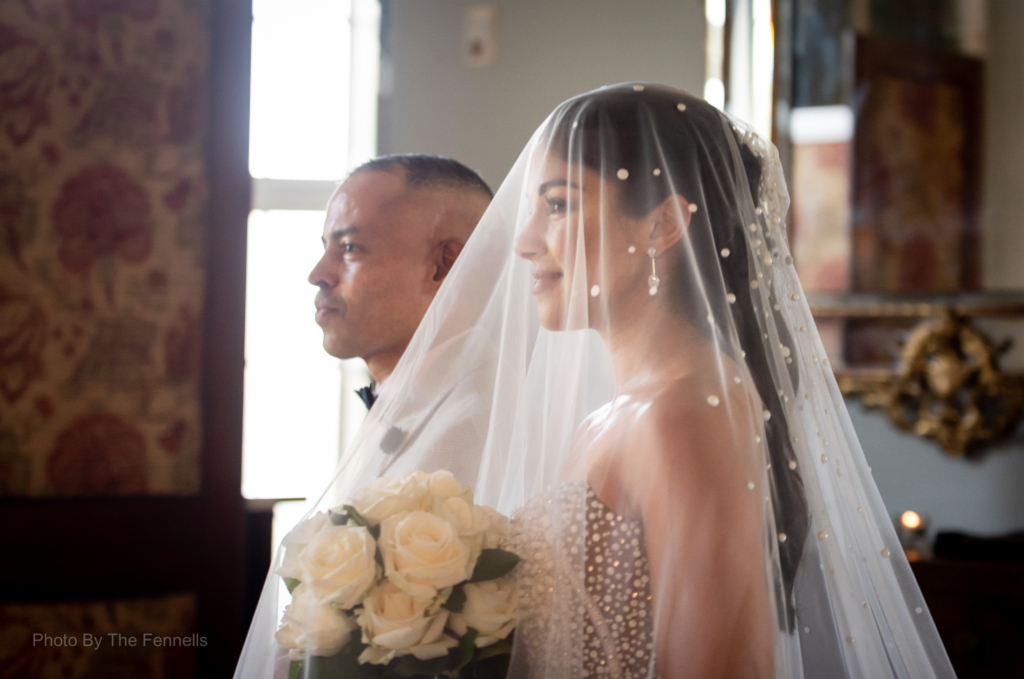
[[367, 395]]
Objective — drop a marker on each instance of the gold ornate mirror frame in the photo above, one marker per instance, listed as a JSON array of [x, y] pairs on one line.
[[947, 385]]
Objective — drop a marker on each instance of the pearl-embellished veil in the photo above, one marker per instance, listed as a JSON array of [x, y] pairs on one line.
[[626, 318]]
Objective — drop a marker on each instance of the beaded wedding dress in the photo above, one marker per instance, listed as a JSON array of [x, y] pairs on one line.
[[654, 408], [603, 617]]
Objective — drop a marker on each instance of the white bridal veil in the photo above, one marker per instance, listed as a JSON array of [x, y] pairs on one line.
[[627, 316]]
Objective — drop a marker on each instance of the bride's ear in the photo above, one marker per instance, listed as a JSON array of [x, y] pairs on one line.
[[668, 222]]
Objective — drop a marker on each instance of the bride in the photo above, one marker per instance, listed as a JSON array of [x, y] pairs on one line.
[[671, 455], [688, 495]]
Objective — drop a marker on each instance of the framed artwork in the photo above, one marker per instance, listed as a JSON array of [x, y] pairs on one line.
[[821, 139], [916, 170]]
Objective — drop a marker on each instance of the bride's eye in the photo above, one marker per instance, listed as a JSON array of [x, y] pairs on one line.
[[556, 206]]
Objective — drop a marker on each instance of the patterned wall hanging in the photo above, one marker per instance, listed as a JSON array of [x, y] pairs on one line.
[[102, 198]]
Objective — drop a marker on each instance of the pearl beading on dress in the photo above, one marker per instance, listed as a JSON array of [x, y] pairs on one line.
[[585, 602]]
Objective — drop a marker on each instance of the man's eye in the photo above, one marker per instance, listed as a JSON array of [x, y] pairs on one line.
[[348, 248]]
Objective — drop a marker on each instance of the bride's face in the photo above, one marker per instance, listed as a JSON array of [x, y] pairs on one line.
[[580, 246]]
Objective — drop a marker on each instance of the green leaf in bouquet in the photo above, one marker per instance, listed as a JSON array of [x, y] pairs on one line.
[[291, 583], [360, 520], [491, 662], [356, 517], [494, 667], [342, 665], [411, 666], [295, 669], [502, 647], [337, 518], [456, 600], [467, 644], [492, 564]]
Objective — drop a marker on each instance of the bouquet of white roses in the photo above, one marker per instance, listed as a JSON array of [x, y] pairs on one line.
[[408, 580]]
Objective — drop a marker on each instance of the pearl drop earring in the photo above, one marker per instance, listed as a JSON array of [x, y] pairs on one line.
[[653, 282]]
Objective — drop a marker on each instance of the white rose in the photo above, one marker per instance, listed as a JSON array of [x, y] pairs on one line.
[[483, 525], [466, 518], [296, 539], [424, 553], [309, 626], [385, 497], [490, 609], [441, 485], [338, 565], [497, 530], [395, 623]]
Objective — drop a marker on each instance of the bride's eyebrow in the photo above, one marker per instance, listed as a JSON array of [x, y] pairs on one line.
[[551, 183]]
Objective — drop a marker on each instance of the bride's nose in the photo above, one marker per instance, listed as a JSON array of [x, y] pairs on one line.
[[530, 243]]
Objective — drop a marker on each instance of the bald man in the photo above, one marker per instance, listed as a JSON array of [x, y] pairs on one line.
[[393, 231]]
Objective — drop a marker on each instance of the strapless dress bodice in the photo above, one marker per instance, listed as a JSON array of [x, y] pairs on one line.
[[584, 589]]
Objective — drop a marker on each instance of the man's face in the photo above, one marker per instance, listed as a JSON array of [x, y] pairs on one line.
[[376, 277]]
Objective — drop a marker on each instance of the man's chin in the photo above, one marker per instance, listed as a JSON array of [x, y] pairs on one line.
[[339, 353], [338, 348]]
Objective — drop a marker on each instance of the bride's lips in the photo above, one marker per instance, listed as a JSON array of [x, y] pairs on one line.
[[544, 280]]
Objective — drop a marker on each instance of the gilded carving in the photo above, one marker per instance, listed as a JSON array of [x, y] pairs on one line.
[[948, 386]]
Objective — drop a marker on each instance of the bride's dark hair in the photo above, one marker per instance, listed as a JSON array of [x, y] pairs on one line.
[[696, 147]]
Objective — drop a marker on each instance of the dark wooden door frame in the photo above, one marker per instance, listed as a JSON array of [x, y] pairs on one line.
[[221, 596]]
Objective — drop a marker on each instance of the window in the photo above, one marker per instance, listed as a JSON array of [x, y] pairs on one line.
[[714, 83], [746, 91], [315, 75]]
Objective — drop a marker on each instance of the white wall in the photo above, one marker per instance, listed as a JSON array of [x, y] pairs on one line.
[[549, 50], [553, 49], [981, 497]]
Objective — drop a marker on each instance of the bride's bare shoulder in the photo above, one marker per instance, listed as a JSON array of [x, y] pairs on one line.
[[695, 431]]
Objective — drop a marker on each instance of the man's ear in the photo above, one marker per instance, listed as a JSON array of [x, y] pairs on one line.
[[668, 222], [443, 257]]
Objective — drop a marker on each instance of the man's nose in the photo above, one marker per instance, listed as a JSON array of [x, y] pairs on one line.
[[322, 275]]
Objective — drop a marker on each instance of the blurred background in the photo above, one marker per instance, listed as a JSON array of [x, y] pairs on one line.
[[166, 409]]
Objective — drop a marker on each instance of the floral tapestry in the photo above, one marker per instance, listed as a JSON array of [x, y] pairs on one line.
[[102, 198]]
